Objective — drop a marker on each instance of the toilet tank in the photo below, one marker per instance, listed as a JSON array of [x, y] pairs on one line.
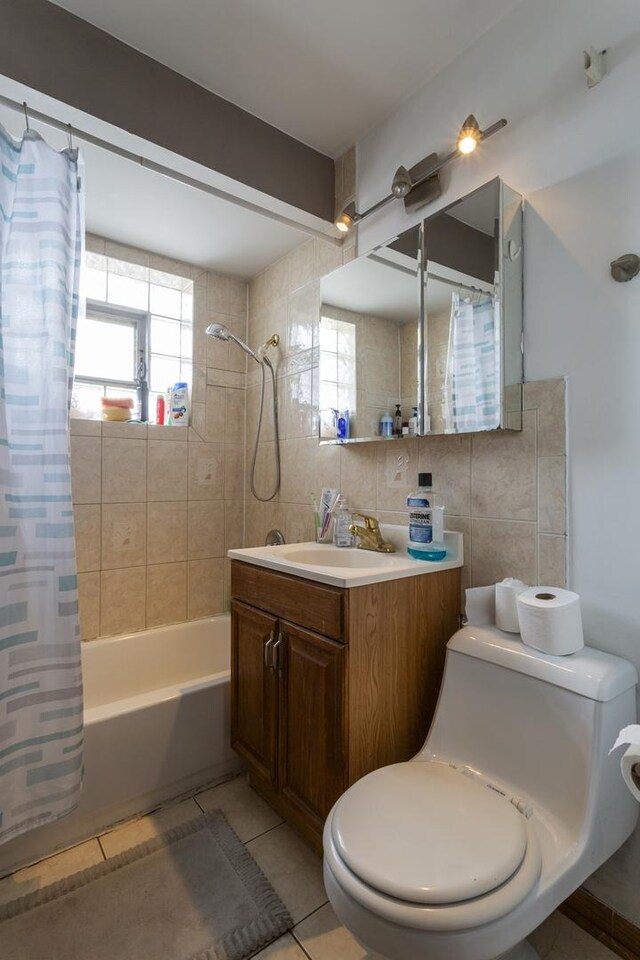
[[539, 725]]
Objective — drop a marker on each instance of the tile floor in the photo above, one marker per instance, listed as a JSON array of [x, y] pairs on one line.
[[295, 872]]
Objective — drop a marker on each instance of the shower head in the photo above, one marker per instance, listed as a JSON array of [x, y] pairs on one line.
[[219, 332]]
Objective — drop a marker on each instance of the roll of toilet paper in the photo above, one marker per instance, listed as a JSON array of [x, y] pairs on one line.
[[480, 605], [507, 592], [630, 759], [550, 620]]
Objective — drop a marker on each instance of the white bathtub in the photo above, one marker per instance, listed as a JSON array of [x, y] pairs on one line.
[[156, 725]]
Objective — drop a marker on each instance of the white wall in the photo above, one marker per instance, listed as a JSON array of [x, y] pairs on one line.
[[575, 155]]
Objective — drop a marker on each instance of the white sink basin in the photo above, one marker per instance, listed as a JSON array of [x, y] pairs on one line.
[[344, 567], [327, 556]]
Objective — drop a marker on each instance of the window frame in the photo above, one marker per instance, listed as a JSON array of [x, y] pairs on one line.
[[140, 320]]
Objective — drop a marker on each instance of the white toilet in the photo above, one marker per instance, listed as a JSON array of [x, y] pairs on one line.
[[510, 805]]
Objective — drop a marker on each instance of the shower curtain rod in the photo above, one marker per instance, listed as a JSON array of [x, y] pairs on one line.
[[460, 286], [163, 170]]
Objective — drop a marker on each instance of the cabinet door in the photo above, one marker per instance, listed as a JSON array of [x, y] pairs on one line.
[[312, 752], [254, 702]]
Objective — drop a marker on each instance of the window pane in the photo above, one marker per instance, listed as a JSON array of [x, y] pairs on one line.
[[168, 280], [126, 269], [95, 287], [165, 301], [164, 373], [165, 336], [128, 292], [328, 335], [105, 349], [186, 343], [329, 366], [187, 306]]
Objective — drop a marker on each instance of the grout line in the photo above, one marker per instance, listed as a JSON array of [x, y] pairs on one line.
[[264, 833], [102, 850], [299, 942]]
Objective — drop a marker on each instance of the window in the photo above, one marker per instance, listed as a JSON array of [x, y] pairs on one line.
[[337, 365], [135, 338]]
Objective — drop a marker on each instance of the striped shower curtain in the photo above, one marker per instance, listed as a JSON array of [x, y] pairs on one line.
[[41, 245], [473, 374]]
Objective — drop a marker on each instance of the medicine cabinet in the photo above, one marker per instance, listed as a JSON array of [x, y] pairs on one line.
[[426, 331]]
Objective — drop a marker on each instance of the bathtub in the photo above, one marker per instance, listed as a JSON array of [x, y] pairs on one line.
[[156, 725]]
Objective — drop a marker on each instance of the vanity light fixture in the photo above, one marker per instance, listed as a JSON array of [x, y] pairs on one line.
[[347, 218], [420, 184]]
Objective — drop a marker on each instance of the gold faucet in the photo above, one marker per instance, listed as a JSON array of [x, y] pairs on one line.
[[369, 536]]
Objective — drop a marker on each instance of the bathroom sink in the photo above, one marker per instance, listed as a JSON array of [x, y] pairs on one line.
[[344, 567], [327, 556]]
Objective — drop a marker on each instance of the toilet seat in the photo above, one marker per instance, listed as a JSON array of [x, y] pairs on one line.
[[378, 835], [425, 833]]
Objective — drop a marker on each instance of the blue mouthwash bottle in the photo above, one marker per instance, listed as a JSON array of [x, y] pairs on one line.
[[421, 542]]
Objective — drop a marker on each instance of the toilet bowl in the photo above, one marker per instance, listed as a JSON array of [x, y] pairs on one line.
[[461, 852]]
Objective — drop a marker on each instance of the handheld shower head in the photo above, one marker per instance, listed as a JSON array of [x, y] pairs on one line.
[[219, 332]]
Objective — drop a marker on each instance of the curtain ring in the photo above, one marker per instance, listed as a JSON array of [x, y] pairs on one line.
[[26, 115], [70, 136]]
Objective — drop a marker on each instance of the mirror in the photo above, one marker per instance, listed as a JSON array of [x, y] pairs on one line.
[[370, 322], [473, 313], [424, 335]]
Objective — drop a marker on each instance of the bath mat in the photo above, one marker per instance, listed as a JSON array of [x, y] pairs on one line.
[[194, 893]]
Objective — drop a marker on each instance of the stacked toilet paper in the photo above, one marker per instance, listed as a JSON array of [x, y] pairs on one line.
[[547, 618], [630, 760], [550, 620], [507, 593]]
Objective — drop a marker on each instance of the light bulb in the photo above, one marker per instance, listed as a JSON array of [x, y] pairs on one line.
[[470, 135], [347, 218], [467, 144]]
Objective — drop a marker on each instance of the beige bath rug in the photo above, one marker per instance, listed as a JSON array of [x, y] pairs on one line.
[[194, 893]]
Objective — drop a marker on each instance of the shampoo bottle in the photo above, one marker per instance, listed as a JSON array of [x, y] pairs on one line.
[[179, 409]]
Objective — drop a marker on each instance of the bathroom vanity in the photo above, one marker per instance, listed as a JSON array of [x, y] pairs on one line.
[[334, 673]]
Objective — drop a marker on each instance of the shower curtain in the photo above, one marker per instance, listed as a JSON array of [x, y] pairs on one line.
[[472, 379], [41, 246]]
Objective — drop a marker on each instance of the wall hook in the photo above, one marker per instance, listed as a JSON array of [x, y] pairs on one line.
[[625, 267], [595, 65]]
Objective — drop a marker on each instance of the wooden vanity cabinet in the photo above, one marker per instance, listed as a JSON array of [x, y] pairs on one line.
[[328, 684]]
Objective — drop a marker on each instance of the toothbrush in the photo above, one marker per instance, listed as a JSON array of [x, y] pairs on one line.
[[316, 513], [329, 515]]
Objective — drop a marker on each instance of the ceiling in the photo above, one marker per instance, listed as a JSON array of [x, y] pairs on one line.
[[325, 73]]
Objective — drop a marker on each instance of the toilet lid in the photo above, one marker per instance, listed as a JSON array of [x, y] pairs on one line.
[[423, 832]]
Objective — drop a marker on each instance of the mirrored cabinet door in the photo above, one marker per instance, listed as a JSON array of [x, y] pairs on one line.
[[369, 339], [472, 280]]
